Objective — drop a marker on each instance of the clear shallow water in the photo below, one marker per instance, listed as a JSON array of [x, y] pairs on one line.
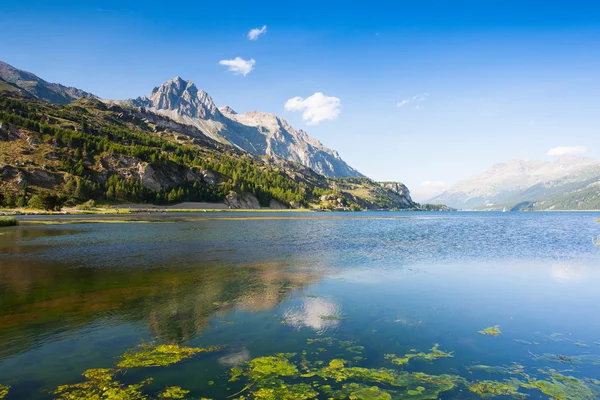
[[77, 296]]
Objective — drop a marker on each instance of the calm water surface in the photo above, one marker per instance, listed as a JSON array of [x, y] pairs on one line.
[[77, 296]]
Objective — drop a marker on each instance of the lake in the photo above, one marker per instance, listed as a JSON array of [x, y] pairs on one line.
[[373, 305]]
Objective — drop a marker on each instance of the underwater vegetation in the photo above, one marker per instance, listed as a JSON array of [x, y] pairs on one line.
[[162, 355], [4, 391], [513, 369], [101, 383], [279, 377], [489, 389], [434, 354], [492, 331], [584, 359], [562, 387], [525, 342], [173, 392], [312, 375]]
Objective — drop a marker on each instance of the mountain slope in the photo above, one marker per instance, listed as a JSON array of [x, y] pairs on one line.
[[39, 88], [519, 181], [91, 150], [257, 132]]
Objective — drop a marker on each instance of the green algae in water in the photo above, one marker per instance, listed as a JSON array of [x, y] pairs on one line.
[[371, 393], [525, 342], [100, 384], [434, 354], [489, 389], [278, 377], [491, 331], [514, 369], [584, 359], [300, 391], [160, 356], [173, 392], [562, 387], [265, 368], [4, 391]]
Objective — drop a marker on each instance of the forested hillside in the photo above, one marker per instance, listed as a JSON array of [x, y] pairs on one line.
[[59, 155]]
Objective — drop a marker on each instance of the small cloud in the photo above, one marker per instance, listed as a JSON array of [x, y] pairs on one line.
[[414, 99], [315, 108], [563, 150], [239, 66], [256, 32]]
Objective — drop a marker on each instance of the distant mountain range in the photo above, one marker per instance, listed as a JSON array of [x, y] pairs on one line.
[[31, 86], [570, 182]]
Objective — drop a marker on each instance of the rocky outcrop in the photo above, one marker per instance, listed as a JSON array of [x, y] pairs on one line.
[[398, 188], [244, 201], [275, 205], [256, 132]]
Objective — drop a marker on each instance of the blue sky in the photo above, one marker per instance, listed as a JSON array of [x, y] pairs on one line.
[[498, 79]]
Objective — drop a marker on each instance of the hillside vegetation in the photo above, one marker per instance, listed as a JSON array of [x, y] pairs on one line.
[[52, 155]]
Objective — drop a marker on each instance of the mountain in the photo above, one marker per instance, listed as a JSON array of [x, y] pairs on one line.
[[54, 155], [39, 88], [523, 181], [260, 133]]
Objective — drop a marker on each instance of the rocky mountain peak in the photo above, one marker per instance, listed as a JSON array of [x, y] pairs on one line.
[[227, 110], [183, 97]]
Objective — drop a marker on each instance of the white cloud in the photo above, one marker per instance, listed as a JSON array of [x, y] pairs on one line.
[[414, 99], [256, 32], [315, 108], [563, 150], [239, 66]]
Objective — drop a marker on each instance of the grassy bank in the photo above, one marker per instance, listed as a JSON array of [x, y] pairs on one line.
[[8, 221]]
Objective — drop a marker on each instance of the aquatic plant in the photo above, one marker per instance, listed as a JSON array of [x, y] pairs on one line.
[[522, 342], [333, 318], [513, 369], [488, 389], [279, 377], [300, 391], [147, 355], [100, 384], [173, 392], [271, 367], [434, 354], [8, 221], [492, 331], [584, 359], [562, 387], [370, 393], [4, 391]]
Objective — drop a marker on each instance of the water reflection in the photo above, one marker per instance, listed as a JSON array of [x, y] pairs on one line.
[[315, 313], [235, 358], [39, 300]]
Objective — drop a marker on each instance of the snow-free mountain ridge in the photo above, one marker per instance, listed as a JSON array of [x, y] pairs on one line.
[[261, 133], [521, 180]]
